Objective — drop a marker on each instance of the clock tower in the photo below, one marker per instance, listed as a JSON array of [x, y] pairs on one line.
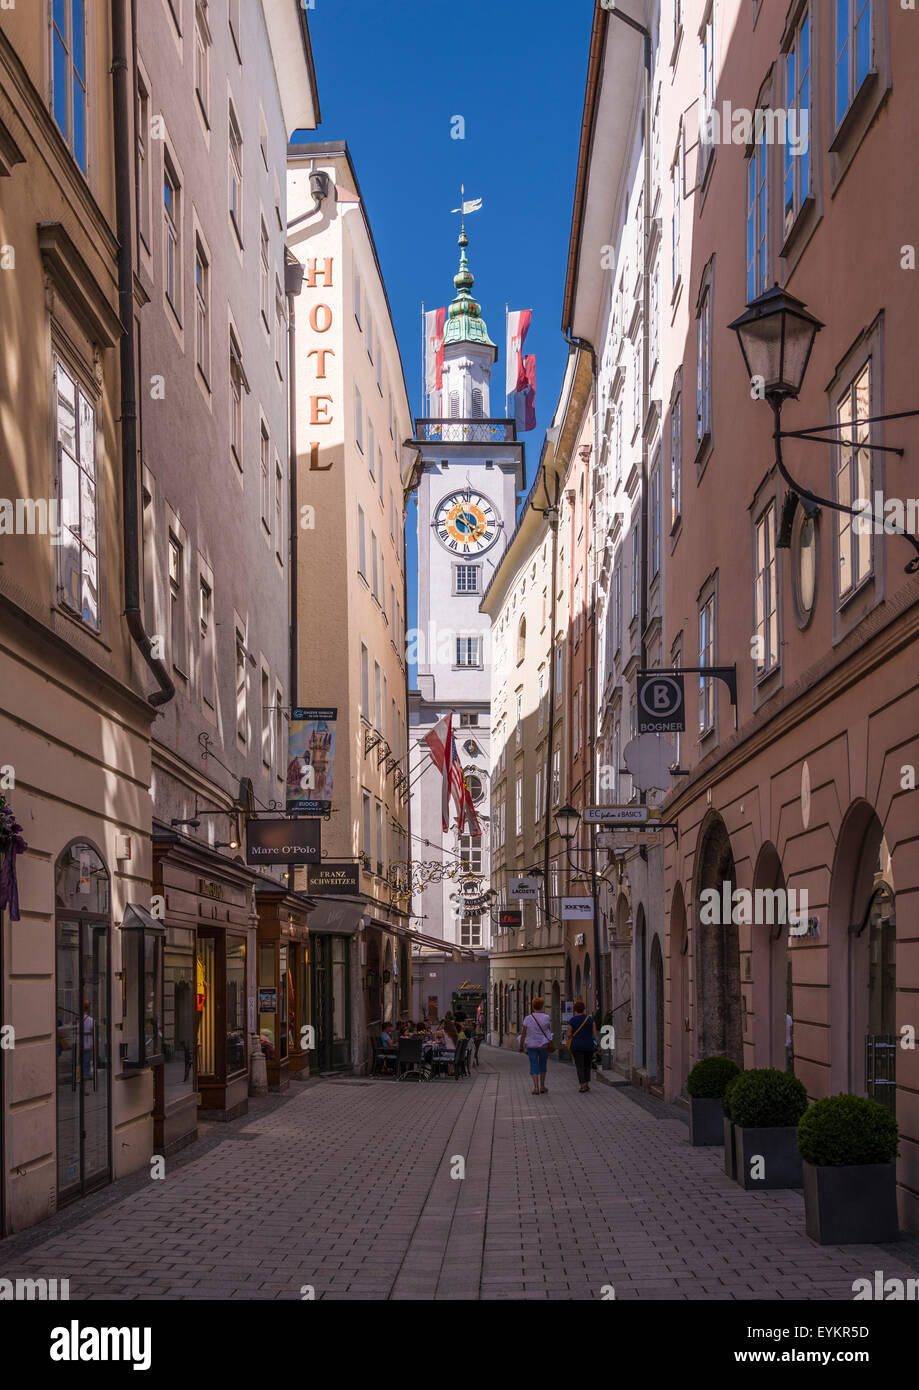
[[472, 475]]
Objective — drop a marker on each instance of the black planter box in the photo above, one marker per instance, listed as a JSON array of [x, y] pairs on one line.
[[730, 1148], [855, 1204], [779, 1151], [705, 1117]]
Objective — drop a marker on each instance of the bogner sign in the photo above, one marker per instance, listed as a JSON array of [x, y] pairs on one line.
[[660, 704]]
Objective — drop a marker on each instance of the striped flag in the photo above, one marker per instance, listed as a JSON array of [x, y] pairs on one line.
[[434, 349], [440, 743], [518, 325]]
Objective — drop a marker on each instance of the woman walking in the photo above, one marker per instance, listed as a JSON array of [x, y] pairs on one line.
[[582, 1039], [536, 1039]]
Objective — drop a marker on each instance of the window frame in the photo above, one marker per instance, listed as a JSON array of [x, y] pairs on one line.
[[68, 131]]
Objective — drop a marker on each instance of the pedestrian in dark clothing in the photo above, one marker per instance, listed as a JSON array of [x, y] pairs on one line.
[[582, 1040]]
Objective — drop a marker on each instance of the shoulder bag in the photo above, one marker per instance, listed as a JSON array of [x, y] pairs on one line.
[[544, 1033]]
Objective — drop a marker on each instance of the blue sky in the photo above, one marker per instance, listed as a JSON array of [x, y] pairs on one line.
[[391, 77]]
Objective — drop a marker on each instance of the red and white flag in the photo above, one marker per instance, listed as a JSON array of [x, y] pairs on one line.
[[440, 743], [434, 349], [525, 399], [518, 325]]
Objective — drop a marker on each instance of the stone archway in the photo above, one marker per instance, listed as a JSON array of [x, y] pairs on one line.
[[655, 1029], [640, 1001], [862, 945], [680, 1018], [769, 968], [717, 950]]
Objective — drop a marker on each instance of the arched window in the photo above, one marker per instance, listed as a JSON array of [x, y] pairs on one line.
[[521, 640]]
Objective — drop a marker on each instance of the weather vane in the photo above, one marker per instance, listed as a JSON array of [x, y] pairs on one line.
[[473, 205]]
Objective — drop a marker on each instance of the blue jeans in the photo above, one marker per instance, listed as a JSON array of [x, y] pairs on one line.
[[539, 1060]]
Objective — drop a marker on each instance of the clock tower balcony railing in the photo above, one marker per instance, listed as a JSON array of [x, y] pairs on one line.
[[466, 431]]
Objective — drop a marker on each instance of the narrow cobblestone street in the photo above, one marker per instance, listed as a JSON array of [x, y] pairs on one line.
[[345, 1186]]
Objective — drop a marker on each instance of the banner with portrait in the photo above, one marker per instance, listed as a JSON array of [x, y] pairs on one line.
[[311, 760]]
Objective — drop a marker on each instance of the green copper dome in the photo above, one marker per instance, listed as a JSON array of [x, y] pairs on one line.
[[464, 317]]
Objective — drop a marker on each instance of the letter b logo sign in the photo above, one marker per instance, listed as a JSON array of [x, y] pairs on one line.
[[661, 697]]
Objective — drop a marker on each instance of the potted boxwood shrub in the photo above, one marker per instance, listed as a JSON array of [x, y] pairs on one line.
[[766, 1105], [706, 1085], [730, 1142], [849, 1144]]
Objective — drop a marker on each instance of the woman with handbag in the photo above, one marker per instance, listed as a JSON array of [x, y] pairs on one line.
[[582, 1041], [536, 1041]]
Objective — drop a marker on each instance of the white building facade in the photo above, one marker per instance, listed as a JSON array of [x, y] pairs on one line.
[[472, 473]]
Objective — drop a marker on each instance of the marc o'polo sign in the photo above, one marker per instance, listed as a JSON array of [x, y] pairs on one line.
[[333, 878], [283, 842]]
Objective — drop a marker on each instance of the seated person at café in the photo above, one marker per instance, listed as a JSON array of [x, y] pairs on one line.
[[388, 1037]]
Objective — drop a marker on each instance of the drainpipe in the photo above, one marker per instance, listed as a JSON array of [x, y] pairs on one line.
[[590, 587], [121, 97], [645, 363], [293, 283], [551, 515]]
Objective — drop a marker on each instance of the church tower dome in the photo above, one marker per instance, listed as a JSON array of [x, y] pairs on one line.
[[469, 353]]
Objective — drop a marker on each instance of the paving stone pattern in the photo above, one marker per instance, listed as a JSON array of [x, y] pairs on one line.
[[346, 1187]]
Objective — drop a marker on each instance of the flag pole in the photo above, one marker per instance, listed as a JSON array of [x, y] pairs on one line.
[[424, 365], [507, 309]]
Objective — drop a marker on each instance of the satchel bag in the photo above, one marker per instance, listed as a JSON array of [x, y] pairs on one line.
[[544, 1033]]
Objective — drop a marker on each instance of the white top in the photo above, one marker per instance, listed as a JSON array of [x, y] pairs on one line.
[[533, 1034]]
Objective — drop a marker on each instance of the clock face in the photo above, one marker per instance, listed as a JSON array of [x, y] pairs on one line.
[[465, 523]]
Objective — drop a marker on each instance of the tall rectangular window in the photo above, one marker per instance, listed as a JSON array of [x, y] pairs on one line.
[[237, 382], [676, 217], [853, 481], [518, 725], [707, 658], [707, 57], [617, 604], [366, 828], [467, 651], [676, 455], [264, 273], [266, 718], [78, 565], [765, 606], [636, 572], [378, 697], [797, 103], [264, 460], [380, 475], [202, 310], [242, 726], [358, 420], [380, 850], [143, 161], [757, 250], [172, 256], [206, 653], [280, 328], [278, 509], [361, 542], [374, 566], [68, 74], [357, 300], [202, 47], [704, 367], [556, 776], [365, 682], [177, 604], [236, 174], [853, 51], [371, 448], [518, 806], [654, 557]]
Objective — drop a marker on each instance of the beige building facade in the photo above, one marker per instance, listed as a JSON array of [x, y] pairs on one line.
[[354, 473], [120, 679]]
